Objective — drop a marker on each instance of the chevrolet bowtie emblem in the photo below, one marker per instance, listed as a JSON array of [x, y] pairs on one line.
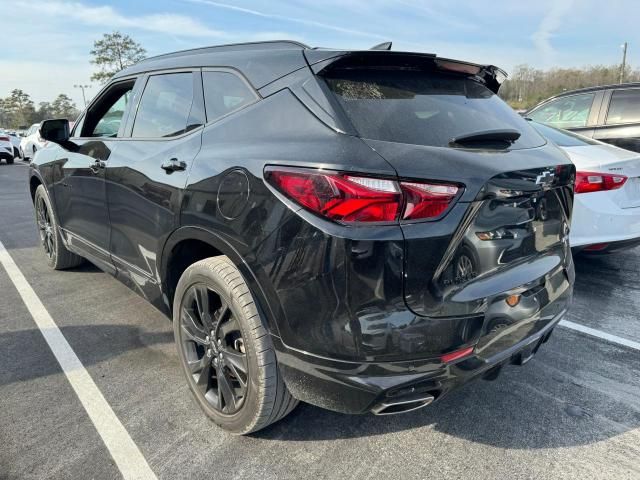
[[546, 178]]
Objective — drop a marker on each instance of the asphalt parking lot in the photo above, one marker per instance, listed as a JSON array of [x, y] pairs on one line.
[[572, 412]]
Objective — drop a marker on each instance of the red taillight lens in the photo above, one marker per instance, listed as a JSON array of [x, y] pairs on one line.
[[350, 198], [4, 139], [426, 200], [587, 182], [339, 197]]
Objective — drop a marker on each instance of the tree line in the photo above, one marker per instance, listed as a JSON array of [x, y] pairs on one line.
[[113, 52], [19, 111], [527, 86]]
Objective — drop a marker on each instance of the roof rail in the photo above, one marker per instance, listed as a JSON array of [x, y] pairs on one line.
[[270, 44]]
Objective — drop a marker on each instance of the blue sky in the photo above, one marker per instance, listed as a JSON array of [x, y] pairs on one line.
[[46, 43]]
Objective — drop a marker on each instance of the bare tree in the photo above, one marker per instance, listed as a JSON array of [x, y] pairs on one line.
[[528, 86]]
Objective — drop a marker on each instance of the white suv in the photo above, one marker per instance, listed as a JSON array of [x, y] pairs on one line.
[[31, 142], [6, 149]]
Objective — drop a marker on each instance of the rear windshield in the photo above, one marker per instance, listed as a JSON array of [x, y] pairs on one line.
[[562, 138], [423, 107]]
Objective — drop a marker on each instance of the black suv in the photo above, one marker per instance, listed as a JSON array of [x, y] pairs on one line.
[[610, 114], [360, 230]]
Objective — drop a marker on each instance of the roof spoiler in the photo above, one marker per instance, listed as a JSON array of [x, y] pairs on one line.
[[324, 60], [382, 46]]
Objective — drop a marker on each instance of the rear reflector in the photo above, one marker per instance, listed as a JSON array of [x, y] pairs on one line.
[[347, 198], [587, 182], [457, 355], [596, 247]]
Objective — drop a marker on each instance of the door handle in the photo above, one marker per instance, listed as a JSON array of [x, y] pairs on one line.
[[97, 166], [173, 165]]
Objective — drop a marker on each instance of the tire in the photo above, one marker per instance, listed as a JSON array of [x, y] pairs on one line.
[[58, 257], [9, 161], [16, 153], [212, 297]]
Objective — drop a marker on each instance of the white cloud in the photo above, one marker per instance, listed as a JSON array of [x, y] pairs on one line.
[[106, 16], [286, 18], [550, 24]]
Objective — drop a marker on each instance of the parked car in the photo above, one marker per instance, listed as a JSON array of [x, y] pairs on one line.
[[31, 142], [14, 138], [361, 230], [606, 209], [610, 113], [6, 148]]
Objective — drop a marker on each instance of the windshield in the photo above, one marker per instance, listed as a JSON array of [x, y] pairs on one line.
[[562, 138], [423, 107]]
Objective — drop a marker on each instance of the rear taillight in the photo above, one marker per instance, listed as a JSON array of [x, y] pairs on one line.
[[4, 139], [426, 200], [350, 198], [587, 182]]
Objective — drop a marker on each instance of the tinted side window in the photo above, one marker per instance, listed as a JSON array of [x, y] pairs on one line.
[[624, 107], [223, 93], [566, 112], [165, 106]]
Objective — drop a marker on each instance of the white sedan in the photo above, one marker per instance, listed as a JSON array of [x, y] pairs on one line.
[[606, 210]]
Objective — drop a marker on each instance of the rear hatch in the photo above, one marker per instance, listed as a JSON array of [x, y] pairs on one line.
[[507, 232]]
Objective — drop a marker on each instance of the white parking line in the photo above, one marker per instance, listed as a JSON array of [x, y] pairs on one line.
[[599, 334], [124, 451]]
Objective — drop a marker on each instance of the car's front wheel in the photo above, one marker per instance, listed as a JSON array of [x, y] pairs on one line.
[[58, 257], [225, 350]]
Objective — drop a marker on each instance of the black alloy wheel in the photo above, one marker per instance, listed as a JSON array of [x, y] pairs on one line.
[[225, 349], [45, 227], [214, 349], [58, 257]]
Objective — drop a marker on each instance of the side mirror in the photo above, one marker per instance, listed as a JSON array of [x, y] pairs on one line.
[[56, 131]]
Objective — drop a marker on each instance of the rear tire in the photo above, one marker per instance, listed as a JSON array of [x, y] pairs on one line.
[[217, 327], [58, 257], [9, 161]]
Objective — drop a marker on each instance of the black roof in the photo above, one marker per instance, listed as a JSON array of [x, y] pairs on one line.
[[265, 62], [260, 62]]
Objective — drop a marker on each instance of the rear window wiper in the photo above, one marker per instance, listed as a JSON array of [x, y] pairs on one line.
[[500, 138]]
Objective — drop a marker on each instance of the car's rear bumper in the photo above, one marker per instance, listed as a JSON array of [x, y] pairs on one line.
[[598, 219], [604, 248], [360, 387], [4, 155]]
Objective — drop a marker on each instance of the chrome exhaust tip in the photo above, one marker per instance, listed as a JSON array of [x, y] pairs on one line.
[[402, 406]]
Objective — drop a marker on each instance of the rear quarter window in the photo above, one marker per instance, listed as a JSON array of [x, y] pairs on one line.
[[624, 107], [224, 93], [423, 107]]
